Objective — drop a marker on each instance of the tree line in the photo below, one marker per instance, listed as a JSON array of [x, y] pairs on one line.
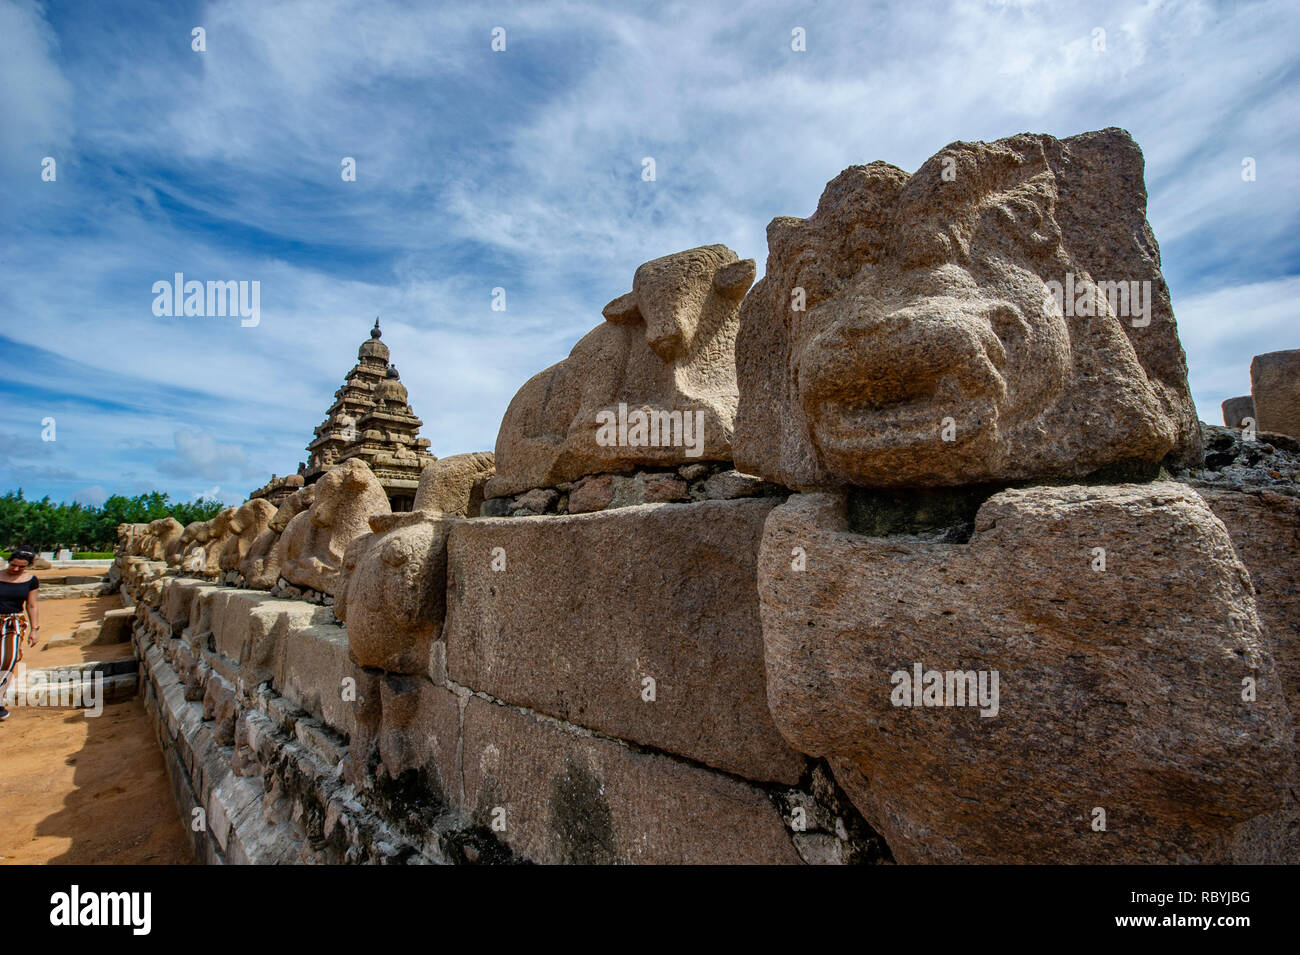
[[45, 525]]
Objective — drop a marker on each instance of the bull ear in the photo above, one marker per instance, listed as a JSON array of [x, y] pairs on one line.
[[735, 279], [623, 310]]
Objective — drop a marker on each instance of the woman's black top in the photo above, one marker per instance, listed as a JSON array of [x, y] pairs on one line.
[[13, 597]]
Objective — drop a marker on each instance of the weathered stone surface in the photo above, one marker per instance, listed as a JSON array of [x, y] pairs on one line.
[[261, 565], [663, 488], [85, 634], [593, 493], [1269, 462], [253, 640], [219, 531], [575, 799], [250, 520], [1265, 530], [598, 492], [393, 591], [363, 741], [496, 507], [190, 552], [143, 579], [728, 485], [130, 538], [454, 485], [220, 706], [1275, 388], [1119, 689], [229, 613], [297, 502], [310, 667], [419, 729], [926, 313], [667, 346], [1236, 410], [162, 536], [588, 607], [115, 627], [538, 500], [175, 550], [179, 603], [314, 542]]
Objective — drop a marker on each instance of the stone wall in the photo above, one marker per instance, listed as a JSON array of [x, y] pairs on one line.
[[609, 686], [572, 711]]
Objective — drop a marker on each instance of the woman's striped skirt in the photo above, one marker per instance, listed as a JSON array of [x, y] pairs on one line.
[[14, 628]]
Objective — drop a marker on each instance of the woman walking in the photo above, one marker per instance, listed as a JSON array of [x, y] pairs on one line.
[[18, 619]]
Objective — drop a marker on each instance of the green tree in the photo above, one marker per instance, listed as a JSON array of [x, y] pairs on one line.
[[43, 524]]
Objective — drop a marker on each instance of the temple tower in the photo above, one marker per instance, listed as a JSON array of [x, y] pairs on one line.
[[371, 420]]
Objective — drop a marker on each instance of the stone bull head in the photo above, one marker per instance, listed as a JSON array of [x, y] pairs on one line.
[[998, 315], [313, 544], [666, 348], [392, 594], [246, 524], [261, 564], [219, 531], [679, 299]]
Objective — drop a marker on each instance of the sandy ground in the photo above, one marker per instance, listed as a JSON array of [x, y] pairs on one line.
[[79, 790], [63, 616]]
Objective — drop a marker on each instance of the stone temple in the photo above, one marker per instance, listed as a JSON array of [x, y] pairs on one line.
[[926, 571], [369, 420]]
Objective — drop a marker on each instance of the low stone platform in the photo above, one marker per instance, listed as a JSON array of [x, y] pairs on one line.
[[295, 754]]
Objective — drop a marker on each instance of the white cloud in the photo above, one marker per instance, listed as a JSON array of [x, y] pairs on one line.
[[95, 495], [198, 454], [36, 97]]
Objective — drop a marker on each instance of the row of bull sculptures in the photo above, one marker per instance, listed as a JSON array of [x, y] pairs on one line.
[[909, 336], [905, 335]]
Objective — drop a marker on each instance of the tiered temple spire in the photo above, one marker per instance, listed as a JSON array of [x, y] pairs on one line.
[[371, 420]]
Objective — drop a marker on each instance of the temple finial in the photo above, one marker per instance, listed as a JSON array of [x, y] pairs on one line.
[[374, 332]]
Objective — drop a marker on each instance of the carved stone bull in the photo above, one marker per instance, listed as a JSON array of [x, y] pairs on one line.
[[312, 546], [998, 315], [663, 362], [261, 565]]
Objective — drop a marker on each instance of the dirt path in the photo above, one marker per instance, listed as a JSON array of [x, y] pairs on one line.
[[63, 616], [84, 790]]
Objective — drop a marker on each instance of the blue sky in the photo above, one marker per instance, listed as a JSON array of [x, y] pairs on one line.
[[522, 170]]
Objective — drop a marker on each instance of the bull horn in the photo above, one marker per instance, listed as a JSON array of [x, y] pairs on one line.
[[735, 279], [623, 310]]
